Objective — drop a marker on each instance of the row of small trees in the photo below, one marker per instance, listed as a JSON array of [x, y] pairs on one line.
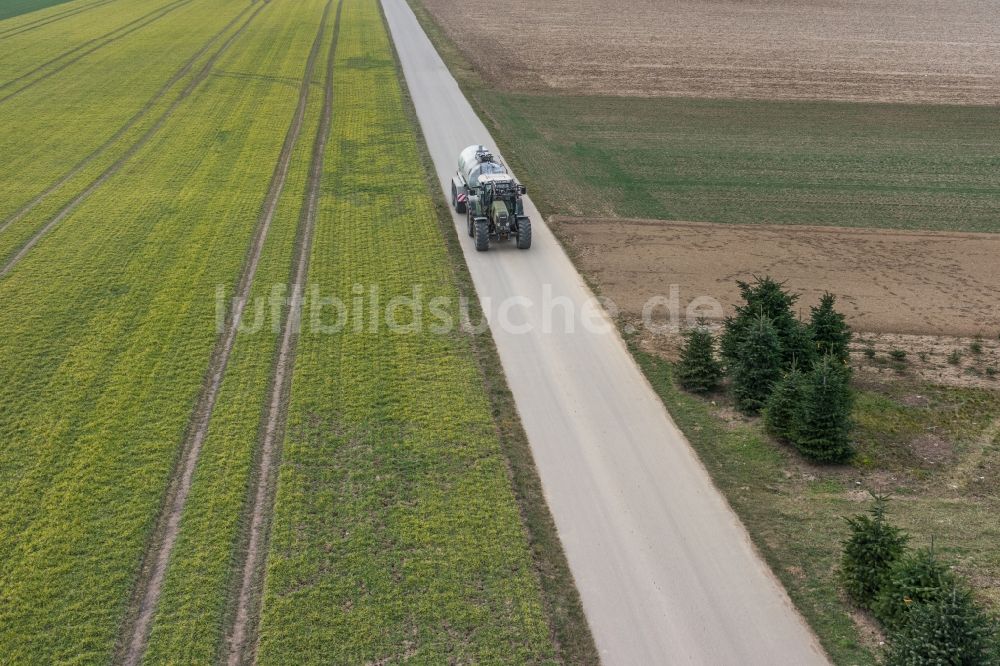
[[795, 373], [928, 612]]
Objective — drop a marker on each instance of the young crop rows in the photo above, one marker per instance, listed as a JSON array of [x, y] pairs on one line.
[[181, 486]]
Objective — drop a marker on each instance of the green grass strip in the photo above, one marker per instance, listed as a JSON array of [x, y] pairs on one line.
[[891, 166], [395, 532]]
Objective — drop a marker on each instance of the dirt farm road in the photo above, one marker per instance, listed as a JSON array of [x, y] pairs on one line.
[[666, 572]]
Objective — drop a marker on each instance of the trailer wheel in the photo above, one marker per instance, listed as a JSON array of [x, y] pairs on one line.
[[524, 234], [482, 235]]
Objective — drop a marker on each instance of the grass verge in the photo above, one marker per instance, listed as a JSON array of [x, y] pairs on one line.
[[794, 510]]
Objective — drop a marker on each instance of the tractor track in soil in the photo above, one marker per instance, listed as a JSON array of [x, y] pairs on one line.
[[54, 18], [132, 645], [137, 24], [241, 638], [115, 166], [129, 124]]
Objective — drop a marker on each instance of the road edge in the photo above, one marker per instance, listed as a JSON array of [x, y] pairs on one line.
[[563, 608]]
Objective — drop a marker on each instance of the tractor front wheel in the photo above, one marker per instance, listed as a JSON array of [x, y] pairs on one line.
[[471, 225], [524, 234], [482, 235]]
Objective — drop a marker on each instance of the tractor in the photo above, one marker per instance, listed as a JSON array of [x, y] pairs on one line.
[[489, 196]]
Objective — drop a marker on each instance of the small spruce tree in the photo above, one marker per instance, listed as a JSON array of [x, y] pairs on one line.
[[950, 629], [757, 366], [798, 347], [830, 332], [779, 415], [918, 577], [764, 296], [768, 297], [699, 371], [823, 420], [870, 552]]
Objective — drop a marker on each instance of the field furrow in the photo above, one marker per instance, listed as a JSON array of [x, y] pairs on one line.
[[189, 624], [241, 639], [165, 537], [110, 328]]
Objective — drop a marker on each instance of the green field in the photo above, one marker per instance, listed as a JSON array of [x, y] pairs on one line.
[[750, 162], [12, 8], [396, 531], [111, 320], [393, 505]]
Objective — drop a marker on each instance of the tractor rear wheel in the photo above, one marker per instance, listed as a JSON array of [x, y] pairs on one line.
[[482, 235], [524, 234]]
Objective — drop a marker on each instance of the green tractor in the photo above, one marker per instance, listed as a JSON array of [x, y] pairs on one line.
[[491, 199]]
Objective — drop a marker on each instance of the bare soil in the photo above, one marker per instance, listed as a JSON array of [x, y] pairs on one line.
[[889, 282], [943, 360], [933, 51]]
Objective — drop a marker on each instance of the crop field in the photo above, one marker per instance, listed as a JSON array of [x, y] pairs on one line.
[[916, 283], [392, 505], [896, 51], [750, 162], [144, 438]]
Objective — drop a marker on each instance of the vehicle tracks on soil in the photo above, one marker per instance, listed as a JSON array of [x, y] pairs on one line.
[[54, 18], [129, 124], [241, 639], [154, 568], [115, 166], [133, 26]]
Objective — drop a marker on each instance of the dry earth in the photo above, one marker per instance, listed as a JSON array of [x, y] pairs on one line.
[[919, 283], [934, 51]]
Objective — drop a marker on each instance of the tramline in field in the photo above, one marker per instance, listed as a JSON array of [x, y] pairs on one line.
[[487, 193]]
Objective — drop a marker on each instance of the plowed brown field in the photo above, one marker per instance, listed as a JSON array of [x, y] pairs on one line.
[[930, 283], [935, 51]]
